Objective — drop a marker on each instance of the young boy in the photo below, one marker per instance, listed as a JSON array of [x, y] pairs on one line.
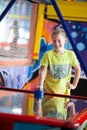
[[55, 76]]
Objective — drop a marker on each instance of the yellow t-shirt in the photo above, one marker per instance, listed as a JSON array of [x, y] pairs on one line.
[[58, 74]]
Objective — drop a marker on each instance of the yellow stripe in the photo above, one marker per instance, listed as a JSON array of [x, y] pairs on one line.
[[38, 33], [30, 104], [76, 11]]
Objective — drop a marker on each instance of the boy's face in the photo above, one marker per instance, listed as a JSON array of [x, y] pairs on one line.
[[58, 41]]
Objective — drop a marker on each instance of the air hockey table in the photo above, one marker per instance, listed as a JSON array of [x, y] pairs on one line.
[[11, 120]]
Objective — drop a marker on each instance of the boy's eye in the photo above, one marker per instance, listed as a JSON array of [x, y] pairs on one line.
[[59, 40], [54, 41]]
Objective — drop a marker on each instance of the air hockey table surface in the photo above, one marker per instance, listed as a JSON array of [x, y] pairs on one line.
[[13, 118]]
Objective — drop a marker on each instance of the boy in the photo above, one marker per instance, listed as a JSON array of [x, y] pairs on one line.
[[55, 76]]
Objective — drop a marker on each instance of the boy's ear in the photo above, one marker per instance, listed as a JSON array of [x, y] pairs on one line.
[[65, 40]]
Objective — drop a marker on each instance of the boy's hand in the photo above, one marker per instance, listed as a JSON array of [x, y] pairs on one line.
[[40, 87], [70, 86], [38, 94]]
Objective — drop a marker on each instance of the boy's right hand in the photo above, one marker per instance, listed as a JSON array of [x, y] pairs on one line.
[[40, 87], [38, 94]]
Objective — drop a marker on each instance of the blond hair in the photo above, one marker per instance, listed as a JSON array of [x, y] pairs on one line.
[[59, 31]]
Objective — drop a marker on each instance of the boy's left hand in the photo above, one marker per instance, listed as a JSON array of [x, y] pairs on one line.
[[70, 86]]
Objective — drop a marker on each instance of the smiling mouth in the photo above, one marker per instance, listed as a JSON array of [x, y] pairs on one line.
[[58, 46]]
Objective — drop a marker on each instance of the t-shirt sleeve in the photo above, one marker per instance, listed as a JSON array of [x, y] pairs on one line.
[[44, 60], [74, 60]]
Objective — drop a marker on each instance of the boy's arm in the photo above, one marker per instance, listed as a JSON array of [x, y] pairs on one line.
[[76, 78], [42, 75], [77, 75]]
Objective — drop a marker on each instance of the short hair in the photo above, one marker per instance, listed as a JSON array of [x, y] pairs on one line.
[[59, 31]]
